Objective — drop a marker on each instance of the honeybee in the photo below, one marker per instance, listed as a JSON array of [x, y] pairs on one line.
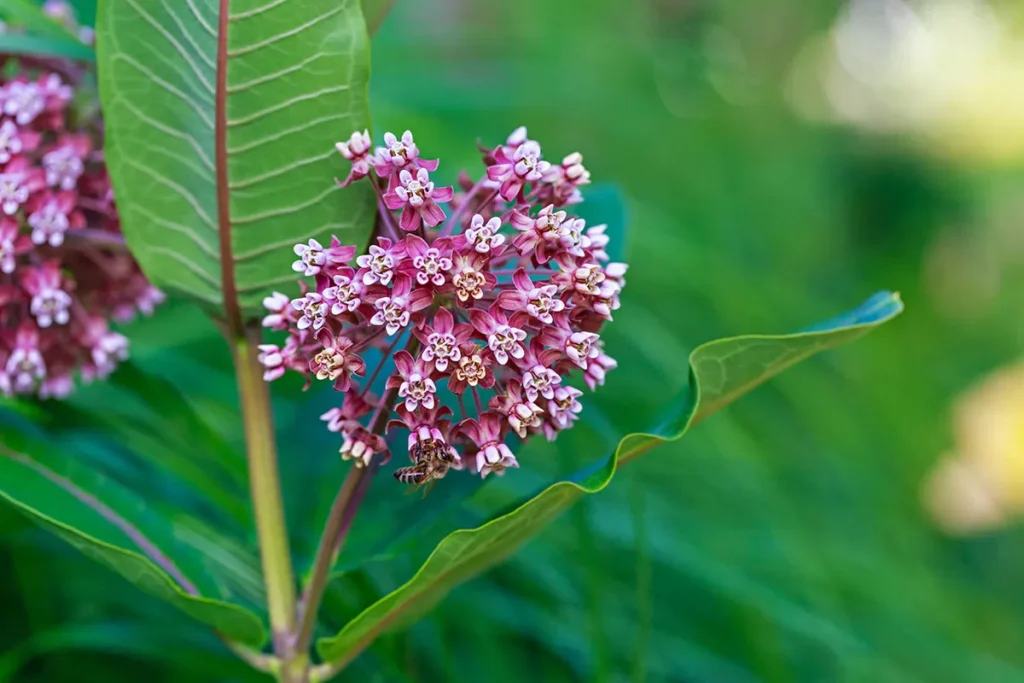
[[424, 474]]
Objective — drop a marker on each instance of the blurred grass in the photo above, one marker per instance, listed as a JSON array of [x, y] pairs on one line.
[[783, 540]]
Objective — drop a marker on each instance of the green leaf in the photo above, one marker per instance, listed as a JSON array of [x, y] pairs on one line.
[[159, 552], [720, 372], [13, 43], [221, 126], [42, 35]]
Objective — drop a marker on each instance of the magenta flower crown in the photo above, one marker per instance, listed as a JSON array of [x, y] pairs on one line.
[[504, 300]]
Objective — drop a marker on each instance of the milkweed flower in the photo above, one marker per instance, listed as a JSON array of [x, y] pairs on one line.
[[489, 311], [64, 274]]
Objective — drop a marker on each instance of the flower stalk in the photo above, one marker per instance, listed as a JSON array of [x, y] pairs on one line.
[[268, 506]]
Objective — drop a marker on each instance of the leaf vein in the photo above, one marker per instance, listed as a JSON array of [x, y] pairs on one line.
[[287, 34], [284, 105], [252, 218], [171, 185], [280, 171], [199, 17], [279, 74], [286, 132], [166, 86], [171, 39]]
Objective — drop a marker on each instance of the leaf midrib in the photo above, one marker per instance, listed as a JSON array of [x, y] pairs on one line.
[[232, 309]]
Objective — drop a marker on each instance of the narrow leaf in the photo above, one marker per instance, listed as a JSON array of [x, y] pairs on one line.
[[69, 48], [720, 372], [100, 532], [222, 117], [31, 32]]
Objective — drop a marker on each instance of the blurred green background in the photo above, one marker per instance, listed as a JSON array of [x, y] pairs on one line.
[[784, 540]]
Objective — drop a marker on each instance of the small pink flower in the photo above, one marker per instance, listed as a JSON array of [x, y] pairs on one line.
[[471, 276], [393, 312], [597, 367], [472, 370], [484, 237], [430, 262], [14, 141], [16, 184], [336, 361], [418, 199], [346, 293], [562, 182], [353, 407], [599, 239], [563, 406], [313, 311], [492, 456], [541, 235], [504, 337], [51, 220], [50, 303], [379, 264], [108, 350], [359, 446], [525, 166], [311, 258], [356, 150], [540, 302], [517, 138], [522, 413], [278, 311], [572, 238], [56, 94], [272, 360], [587, 279], [413, 382], [23, 101], [397, 154], [63, 167], [580, 346], [428, 442], [442, 340], [59, 386], [11, 244], [25, 366]]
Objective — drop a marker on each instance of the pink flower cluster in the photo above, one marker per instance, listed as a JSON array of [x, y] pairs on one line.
[[64, 272], [494, 306]]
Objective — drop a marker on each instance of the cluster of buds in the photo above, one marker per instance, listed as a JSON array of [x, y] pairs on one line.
[[493, 306], [64, 272]]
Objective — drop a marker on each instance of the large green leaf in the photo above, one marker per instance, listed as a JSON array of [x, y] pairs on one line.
[[720, 372], [221, 121], [137, 549]]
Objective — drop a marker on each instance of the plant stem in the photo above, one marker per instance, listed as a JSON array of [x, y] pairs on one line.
[[339, 521], [343, 512], [101, 238], [266, 497]]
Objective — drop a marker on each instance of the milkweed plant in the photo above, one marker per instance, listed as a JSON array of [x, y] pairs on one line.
[[451, 324]]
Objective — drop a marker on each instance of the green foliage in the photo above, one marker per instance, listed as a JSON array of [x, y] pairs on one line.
[[89, 522], [41, 36], [720, 372], [221, 147]]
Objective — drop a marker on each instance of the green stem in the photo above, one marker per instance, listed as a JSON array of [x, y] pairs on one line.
[[339, 521], [267, 503]]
